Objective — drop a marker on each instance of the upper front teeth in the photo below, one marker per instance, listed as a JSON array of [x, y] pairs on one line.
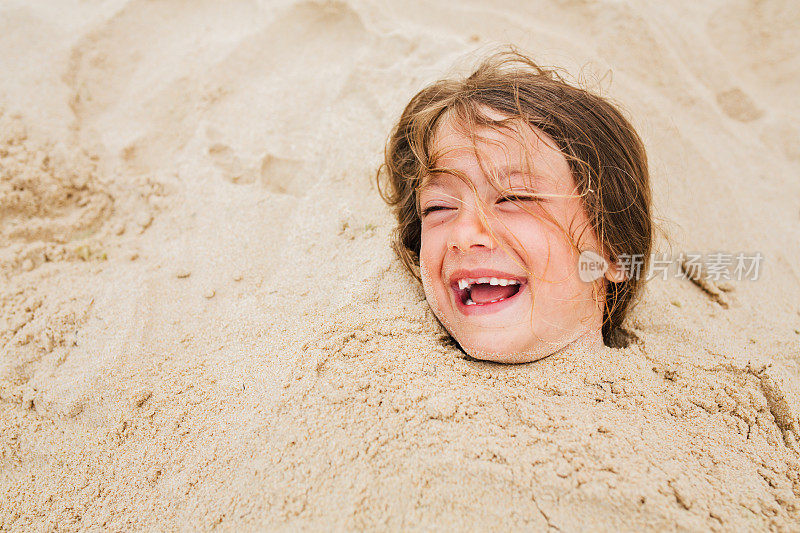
[[467, 282]]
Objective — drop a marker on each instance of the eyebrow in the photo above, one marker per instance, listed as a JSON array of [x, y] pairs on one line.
[[503, 172], [434, 180], [509, 171]]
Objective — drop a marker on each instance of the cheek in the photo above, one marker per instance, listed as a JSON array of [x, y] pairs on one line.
[[534, 239], [428, 264], [429, 274], [546, 250], [431, 249], [554, 231]]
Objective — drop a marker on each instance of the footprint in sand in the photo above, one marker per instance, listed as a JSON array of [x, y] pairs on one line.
[[277, 174], [737, 105]]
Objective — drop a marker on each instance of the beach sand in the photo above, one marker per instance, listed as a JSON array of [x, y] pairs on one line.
[[202, 324]]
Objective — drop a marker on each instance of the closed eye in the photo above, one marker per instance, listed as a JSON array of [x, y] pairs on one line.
[[433, 208], [518, 198]]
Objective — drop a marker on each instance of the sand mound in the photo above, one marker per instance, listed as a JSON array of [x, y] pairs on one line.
[[202, 324], [48, 197]]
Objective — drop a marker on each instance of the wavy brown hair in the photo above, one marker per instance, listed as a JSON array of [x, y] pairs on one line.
[[606, 157]]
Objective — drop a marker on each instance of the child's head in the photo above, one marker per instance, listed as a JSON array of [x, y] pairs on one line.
[[500, 182]]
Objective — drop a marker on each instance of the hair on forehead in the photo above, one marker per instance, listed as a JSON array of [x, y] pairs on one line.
[[467, 122], [474, 124]]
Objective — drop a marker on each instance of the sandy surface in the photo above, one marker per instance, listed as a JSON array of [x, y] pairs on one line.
[[202, 324]]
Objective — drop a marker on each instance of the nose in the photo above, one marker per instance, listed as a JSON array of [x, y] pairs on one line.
[[470, 230]]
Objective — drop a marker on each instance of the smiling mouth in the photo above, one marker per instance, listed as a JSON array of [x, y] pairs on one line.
[[480, 292]]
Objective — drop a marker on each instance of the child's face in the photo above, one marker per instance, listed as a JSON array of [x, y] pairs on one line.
[[537, 304]]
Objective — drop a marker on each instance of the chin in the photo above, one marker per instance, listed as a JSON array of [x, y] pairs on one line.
[[509, 355], [490, 350]]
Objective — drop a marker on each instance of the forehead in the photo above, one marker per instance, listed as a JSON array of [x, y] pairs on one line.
[[512, 151]]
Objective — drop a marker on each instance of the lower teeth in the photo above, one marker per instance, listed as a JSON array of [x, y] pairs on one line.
[[470, 302]]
